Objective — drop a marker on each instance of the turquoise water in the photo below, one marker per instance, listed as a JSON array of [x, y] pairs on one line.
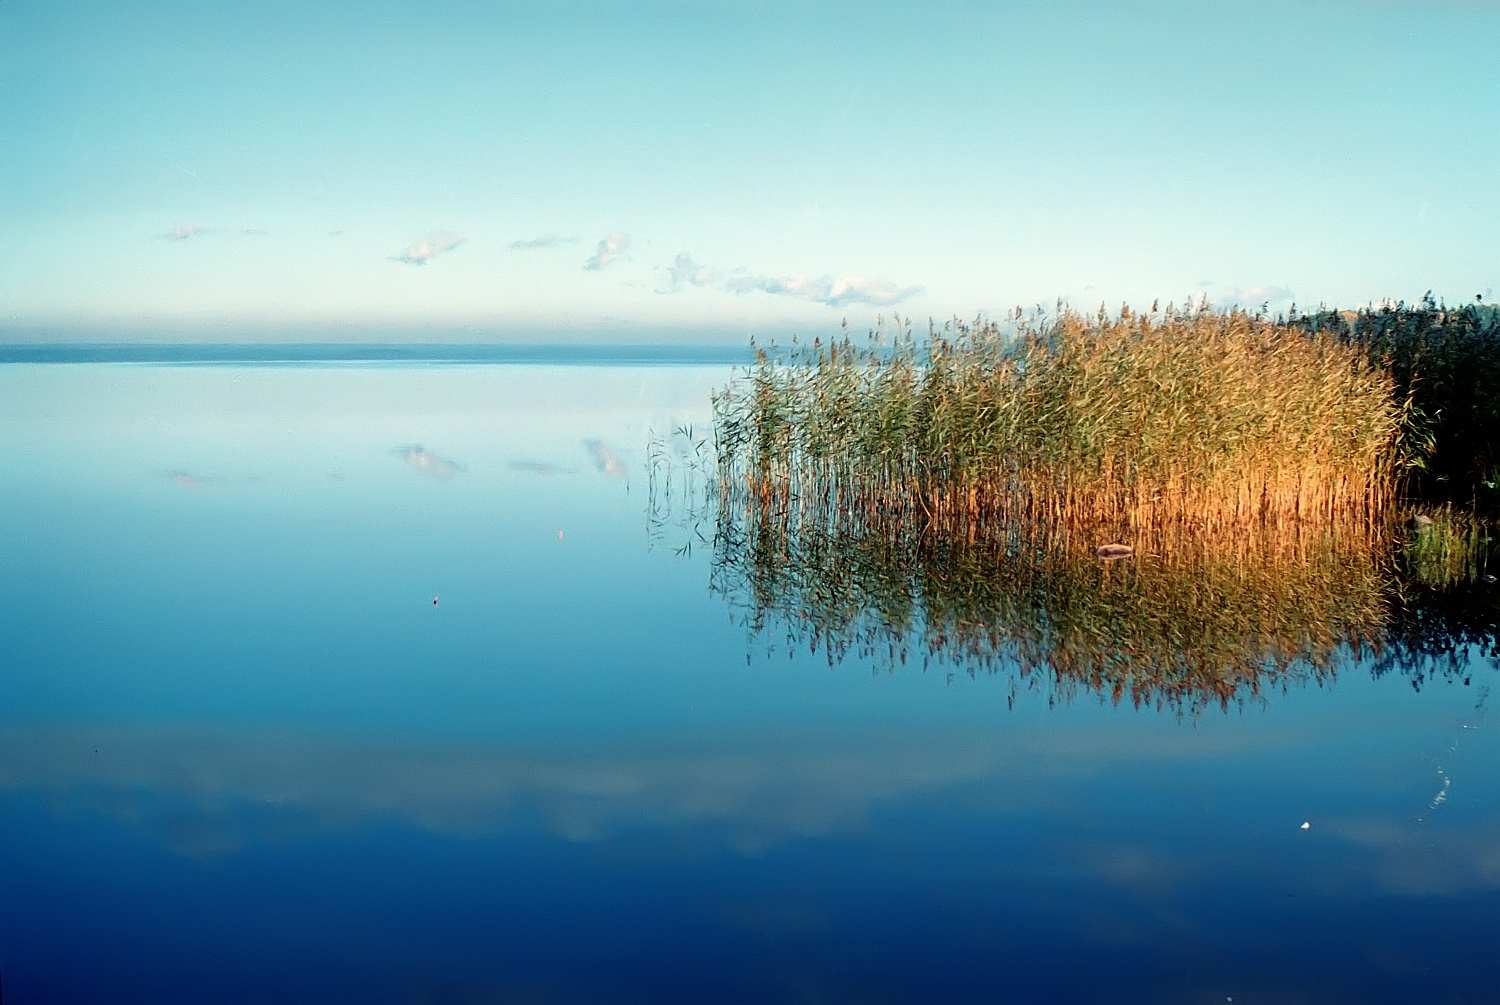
[[244, 756]]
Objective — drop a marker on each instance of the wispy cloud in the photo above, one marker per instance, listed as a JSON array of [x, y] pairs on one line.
[[543, 241], [190, 230], [428, 248], [1268, 294], [832, 291], [609, 250], [428, 463], [828, 290], [685, 272], [186, 231]]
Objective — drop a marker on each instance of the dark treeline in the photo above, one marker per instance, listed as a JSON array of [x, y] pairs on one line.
[[1444, 361]]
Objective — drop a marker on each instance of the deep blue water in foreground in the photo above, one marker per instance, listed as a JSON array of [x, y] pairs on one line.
[[244, 758]]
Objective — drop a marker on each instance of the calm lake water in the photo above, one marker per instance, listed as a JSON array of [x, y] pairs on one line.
[[244, 756]]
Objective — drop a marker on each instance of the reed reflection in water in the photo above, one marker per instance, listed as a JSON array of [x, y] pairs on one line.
[[1184, 622], [1189, 621]]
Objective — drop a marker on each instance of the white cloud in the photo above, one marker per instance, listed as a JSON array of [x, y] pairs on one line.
[[832, 291], [685, 272], [1253, 297], [188, 230], [542, 241], [185, 231], [609, 250], [828, 290], [428, 248]]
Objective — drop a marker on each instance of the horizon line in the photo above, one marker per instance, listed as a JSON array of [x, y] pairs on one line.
[[613, 353]]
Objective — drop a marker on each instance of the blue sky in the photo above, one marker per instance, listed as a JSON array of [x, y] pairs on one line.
[[651, 171]]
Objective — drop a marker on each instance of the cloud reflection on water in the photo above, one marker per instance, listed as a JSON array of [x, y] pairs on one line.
[[208, 792], [428, 463], [751, 793], [605, 459], [754, 796], [1422, 860], [540, 468], [184, 479]]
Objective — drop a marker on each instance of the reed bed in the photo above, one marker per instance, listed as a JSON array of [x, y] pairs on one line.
[[939, 499], [1199, 418]]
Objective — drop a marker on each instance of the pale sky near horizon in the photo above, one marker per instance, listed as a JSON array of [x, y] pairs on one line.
[[636, 171]]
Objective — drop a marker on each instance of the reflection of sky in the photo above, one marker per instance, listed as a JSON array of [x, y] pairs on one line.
[[234, 720]]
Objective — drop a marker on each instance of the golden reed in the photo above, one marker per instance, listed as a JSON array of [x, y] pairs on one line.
[[1202, 418]]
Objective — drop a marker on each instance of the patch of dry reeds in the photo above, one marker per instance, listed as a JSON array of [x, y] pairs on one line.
[[1199, 418]]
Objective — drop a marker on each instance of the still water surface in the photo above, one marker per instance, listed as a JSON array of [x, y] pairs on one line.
[[244, 756]]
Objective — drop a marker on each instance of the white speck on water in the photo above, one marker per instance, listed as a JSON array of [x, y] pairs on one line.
[[1306, 825]]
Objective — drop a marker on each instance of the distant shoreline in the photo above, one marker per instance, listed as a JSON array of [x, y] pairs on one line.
[[325, 352]]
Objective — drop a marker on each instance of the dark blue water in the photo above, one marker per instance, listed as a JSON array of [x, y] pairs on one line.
[[245, 758]]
